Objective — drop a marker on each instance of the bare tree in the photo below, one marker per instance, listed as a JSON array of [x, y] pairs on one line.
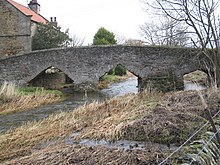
[[120, 39], [134, 42], [77, 41], [200, 17], [166, 31]]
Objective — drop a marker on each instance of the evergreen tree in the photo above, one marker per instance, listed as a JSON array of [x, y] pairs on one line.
[[48, 36], [104, 37]]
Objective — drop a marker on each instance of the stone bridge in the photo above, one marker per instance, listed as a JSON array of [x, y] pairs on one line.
[[85, 65]]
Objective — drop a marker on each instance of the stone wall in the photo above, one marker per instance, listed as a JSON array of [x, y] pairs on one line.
[[85, 65], [15, 30], [33, 28]]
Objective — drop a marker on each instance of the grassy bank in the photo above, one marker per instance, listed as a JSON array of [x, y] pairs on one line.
[[149, 116], [106, 80], [14, 99]]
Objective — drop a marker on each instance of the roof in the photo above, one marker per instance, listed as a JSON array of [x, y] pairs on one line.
[[35, 17]]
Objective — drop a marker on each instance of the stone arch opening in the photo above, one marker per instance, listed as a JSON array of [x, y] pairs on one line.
[[196, 80], [120, 73], [51, 78]]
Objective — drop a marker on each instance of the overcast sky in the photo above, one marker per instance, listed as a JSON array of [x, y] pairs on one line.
[[85, 17]]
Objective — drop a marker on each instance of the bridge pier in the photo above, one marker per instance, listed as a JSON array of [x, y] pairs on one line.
[[164, 82]]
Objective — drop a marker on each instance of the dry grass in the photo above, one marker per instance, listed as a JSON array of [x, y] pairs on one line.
[[129, 117], [11, 100], [8, 91], [21, 103], [197, 77], [162, 126], [191, 101], [79, 154], [105, 120], [96, 120]]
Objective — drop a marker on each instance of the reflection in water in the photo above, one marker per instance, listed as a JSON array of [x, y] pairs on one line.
[[120, 144], [188, 85], [122, 88]]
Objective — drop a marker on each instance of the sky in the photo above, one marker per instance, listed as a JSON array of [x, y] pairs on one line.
[[84, 17]]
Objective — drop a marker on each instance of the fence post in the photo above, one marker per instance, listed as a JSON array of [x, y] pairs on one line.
[[212, 124]]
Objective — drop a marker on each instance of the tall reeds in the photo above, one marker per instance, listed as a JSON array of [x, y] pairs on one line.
[[8, 91], [13, 99]]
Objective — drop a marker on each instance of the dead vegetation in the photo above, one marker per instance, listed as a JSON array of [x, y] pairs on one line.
[[147, 116], [162, 126], [197, 77], [79, 154], [96, 121], [191, 102], [27, 102], [11, 100]]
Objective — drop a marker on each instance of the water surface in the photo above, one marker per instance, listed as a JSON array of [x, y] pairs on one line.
[[10, 121]]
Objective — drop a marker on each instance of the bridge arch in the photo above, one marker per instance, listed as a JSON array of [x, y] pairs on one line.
[[204, 77], [51, 78], [86, 64]]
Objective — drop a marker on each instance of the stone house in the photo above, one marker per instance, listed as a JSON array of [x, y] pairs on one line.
[[17, 25]]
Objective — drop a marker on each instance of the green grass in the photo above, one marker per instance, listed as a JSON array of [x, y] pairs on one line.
[[32, 90], [109, 78]]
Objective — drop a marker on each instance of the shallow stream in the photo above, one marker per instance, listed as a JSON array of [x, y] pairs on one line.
[[14, 120], [10, 121]]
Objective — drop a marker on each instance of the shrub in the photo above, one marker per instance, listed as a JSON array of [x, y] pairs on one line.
[[111, 72], [120, 70]]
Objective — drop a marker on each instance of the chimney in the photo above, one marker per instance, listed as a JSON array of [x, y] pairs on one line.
[[35, 6], [53, 21]]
